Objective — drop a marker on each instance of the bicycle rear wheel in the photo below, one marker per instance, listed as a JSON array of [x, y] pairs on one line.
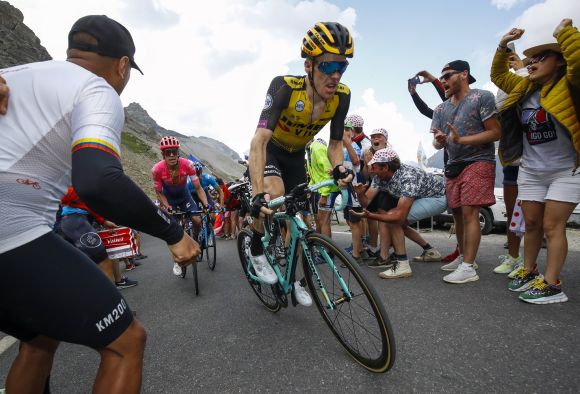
[[266, 293], [210, 251], [360, 323]]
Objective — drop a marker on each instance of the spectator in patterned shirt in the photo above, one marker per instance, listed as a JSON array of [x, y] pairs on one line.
[[420, 195], [466, 126]]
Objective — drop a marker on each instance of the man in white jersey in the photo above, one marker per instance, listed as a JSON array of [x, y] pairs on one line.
[[65, 118]]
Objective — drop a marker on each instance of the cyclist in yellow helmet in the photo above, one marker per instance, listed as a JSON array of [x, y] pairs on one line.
[[296, 109]]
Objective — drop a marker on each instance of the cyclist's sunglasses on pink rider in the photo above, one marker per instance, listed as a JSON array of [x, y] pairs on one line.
[[170, 152], [330, 68]]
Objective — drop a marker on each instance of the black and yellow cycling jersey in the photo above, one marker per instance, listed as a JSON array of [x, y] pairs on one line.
[[288, 113]]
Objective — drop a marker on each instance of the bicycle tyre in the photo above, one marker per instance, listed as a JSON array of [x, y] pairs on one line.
[[193, 267], [372, 330], [195, 282], [210, 251], [265, 293]]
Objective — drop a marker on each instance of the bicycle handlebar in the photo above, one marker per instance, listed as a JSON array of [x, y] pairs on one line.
[[344, 193]]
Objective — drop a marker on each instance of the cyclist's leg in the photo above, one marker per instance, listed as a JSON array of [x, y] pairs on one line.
[[48, 306], [32, 365], [121, 364], [274, 186], [187, 204]]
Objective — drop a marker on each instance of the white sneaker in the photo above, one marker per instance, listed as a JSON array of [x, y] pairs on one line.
[[400, 269], [301, 294], [263, 269], [463, 274], [452, 266], [176, 269]]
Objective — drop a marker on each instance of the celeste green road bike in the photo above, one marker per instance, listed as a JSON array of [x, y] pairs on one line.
[[346, 300]]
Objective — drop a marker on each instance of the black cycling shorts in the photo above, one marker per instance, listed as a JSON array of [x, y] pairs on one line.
[[384, 201], [185, 204], [77, 229], [287, 165], [350, 217], [50, 288]]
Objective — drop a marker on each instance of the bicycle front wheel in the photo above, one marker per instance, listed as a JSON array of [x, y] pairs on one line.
[[193, 267], [210, 251], [264, 292], [358, 320]]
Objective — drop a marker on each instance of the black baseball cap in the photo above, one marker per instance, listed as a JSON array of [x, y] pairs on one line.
[[113, 39], [459, 65]]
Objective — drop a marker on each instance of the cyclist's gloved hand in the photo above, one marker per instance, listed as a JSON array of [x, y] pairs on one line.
[[342, 175], [299, 192], [258, 202]]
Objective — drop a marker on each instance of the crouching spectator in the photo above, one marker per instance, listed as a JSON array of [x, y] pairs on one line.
[[421, 195]]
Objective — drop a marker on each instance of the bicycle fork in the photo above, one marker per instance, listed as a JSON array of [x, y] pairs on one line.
[[347, 295]]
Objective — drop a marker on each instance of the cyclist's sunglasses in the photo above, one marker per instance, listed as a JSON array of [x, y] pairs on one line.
[[171, 152], [330, 68]]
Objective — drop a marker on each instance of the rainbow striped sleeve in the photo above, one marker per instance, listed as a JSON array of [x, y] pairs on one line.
[[95, 143]]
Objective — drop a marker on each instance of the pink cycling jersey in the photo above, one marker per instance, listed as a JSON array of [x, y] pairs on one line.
[[162, 181]]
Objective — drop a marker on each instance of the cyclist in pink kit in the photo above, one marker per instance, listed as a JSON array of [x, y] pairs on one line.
[[170, 183]]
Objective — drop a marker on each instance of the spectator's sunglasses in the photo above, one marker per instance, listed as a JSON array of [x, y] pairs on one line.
[[446, 76], [540, 57]]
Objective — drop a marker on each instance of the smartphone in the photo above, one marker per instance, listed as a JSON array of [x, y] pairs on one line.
[[415, 80], [511, 47]]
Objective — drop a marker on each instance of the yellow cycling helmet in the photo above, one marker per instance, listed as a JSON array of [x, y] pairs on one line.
[[331, 37]]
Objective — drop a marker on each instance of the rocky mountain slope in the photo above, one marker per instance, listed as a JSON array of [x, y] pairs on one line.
[[140, 140], [141, 134], [18, 44]]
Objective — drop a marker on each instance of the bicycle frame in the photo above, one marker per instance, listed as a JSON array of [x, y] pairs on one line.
[[298, 232]]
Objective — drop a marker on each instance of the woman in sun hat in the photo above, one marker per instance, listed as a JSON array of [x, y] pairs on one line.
[[548, 143]]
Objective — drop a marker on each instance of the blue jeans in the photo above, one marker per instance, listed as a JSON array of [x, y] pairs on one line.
[[424, 208]]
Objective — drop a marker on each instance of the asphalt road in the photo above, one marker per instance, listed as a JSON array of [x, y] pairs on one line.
[[475, 337]]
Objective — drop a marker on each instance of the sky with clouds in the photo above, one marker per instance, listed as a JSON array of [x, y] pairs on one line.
[[208, 65]]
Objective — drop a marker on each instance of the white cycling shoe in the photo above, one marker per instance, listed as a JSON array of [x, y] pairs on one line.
[[301, 294], [263, 269], [176, 269]]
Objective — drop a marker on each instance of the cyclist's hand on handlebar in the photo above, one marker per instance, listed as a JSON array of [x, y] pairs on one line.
[[259, 205], [300, 191], [185, 251], [342, 176]]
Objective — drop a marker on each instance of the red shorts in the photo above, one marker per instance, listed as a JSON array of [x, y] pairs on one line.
[[474, 186]]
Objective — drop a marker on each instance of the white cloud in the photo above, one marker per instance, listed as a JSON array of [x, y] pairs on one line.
[[540, 20], [491, 87], [207, 67], [148, 13], [505, 4], [403, 136]]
